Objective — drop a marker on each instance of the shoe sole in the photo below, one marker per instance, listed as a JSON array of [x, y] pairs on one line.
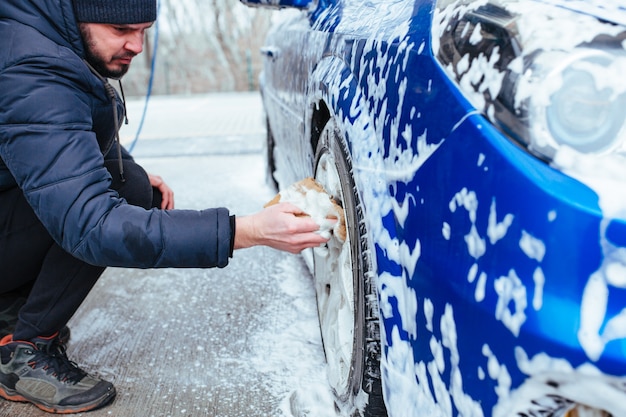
[[100, 402]]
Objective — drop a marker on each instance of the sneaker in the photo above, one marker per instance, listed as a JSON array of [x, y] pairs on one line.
[[64, 333], [39, 372]]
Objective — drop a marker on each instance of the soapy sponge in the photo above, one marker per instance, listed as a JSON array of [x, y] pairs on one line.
[[310, 197]]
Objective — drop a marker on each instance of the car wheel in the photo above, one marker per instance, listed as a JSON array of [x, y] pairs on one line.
[[269, 156], [346, 291]]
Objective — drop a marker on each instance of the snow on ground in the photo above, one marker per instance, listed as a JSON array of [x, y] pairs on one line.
[[287, 348]]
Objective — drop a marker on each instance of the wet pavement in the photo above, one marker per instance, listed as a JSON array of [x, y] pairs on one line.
[[238, 341]]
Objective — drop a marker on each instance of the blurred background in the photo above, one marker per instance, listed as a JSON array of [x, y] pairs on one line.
[[200, 46]]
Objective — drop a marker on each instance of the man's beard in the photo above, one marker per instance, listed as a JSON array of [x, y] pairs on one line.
[[97, 61]]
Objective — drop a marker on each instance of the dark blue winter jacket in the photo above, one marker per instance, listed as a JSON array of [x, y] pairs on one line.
[[56, 122]]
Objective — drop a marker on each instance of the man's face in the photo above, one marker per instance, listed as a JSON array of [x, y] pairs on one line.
[[110, 47]]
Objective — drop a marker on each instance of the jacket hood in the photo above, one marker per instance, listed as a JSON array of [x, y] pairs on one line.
[[53, 18]]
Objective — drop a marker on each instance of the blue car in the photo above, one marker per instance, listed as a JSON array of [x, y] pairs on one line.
[[477, 149]]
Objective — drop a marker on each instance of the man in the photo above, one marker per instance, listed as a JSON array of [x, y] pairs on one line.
[[73, 202]]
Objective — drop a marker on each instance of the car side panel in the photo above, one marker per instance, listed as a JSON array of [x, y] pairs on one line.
[[485, 255]]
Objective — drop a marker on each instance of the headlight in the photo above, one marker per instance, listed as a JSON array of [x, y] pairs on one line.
[[546, 76], [574, 103]]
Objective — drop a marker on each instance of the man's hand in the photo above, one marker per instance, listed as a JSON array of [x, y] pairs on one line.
[[282, 226], [167, 194]]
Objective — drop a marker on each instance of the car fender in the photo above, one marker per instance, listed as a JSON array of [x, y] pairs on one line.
[[334, 92], [333, 89]]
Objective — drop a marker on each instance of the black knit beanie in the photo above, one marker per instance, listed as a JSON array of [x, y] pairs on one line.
[[115, 11]]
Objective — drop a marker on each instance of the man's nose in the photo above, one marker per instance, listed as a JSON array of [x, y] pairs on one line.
[[134, 43]]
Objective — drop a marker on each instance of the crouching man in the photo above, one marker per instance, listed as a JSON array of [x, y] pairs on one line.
[[73, 201]]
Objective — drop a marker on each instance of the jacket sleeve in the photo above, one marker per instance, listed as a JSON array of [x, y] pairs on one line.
[[47, 142]]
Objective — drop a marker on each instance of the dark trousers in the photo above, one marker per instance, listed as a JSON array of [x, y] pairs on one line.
[[34, 267]]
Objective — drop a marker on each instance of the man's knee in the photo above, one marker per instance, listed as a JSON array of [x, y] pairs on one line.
[[135, 187]]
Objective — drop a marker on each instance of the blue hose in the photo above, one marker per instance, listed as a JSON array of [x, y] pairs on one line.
[[150, 81]]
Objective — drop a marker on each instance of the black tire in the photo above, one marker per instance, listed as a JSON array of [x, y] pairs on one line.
[[270, 161], [342, 280]]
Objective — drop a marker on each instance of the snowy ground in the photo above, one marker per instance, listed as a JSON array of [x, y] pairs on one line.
[[241, 341]]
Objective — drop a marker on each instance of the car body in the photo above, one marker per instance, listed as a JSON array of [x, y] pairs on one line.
[[477, 148]]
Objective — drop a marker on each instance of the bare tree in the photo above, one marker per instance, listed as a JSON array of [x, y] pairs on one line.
[[203, 46]]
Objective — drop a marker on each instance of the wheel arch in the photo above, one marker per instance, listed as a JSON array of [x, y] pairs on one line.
[[320, 116], [334, 94]]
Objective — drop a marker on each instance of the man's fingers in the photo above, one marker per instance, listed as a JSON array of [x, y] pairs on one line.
[[290, 208], [167, 195]]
